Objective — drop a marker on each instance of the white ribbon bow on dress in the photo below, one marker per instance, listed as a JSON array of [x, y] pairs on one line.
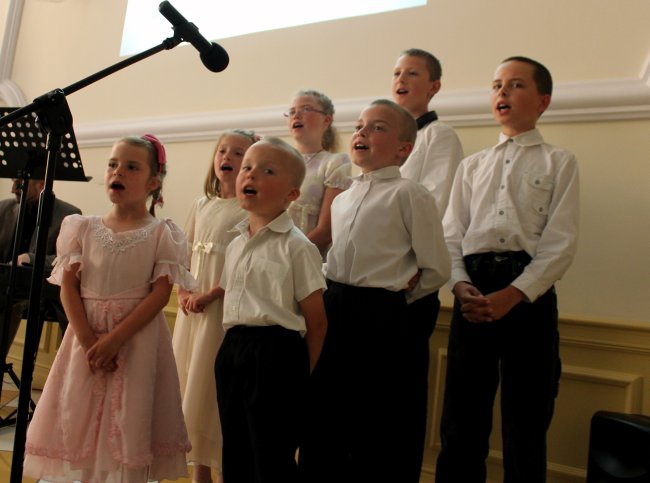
[[205, 247]]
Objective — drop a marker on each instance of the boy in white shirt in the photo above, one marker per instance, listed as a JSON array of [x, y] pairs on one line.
[[511, 229], [388, 250], [432, 163], [273, 298], [437, 151]]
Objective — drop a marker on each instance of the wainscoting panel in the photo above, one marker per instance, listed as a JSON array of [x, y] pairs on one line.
[[605, 366]]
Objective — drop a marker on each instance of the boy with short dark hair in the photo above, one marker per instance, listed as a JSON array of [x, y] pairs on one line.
[[388, 250], [273, 298], [511, 229], [437, 150], [432, 163]]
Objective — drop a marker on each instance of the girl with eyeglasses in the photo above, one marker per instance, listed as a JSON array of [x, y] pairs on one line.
[[309, 120]]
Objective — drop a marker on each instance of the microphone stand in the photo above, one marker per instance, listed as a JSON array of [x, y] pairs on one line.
[[56, 119]]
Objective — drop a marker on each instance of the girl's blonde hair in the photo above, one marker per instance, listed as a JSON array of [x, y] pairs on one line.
[[212, 187], [330, 139]]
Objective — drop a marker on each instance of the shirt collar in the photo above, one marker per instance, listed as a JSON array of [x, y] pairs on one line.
[[381, 173], [280, 224], [528, 138], [426, 118]]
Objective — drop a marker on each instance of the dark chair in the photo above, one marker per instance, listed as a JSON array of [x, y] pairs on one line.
[[619, 448]]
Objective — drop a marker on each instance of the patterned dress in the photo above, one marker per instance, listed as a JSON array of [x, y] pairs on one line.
[[123, 426], [324, 170]]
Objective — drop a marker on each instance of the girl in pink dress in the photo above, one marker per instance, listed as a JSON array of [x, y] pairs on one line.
[[111, 407]]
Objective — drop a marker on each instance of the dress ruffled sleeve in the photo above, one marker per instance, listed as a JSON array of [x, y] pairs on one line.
[[337, 172], [171, 257], [68, 247]]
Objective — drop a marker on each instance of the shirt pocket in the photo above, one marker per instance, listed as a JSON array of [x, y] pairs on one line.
[[536, 194], [269, 278]]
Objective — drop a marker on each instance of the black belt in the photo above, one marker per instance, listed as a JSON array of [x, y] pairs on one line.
[[495, 269]]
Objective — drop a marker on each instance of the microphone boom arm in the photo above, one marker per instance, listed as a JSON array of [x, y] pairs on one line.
[[35, 106]]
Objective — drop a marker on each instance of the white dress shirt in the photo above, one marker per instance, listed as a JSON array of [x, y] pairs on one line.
[[434, 160], [522, 194], [265, 276], [385, 228]]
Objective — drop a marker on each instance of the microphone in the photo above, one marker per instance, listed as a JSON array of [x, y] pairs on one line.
[[213, 56]]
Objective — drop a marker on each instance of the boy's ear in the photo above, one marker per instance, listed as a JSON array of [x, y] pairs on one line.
[[435, 88], [545, 101], [294, 194], [404, 150]]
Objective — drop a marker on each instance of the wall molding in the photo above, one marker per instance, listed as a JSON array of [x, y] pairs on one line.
[[596, 100], [587, 101]]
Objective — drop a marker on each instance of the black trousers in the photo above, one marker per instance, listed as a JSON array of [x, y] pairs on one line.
[[521, 352], [261, 375], [363, 392], [421, 320]]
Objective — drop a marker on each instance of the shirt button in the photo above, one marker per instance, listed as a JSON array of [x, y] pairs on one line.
[[502, 187], [501, 212], [536, 181], [507, 161], [502, 240]]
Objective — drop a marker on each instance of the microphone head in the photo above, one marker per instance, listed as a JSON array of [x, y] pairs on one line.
[[216, 58]]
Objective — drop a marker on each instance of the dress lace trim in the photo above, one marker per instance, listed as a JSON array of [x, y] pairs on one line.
[[120, 242]]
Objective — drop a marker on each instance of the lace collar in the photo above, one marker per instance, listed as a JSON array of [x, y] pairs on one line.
[[120, 242]]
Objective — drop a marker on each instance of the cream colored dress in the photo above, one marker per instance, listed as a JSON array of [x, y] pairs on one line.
[[197, 337]]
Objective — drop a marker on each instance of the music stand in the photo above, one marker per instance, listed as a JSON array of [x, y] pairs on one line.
[[22, 156], [56, 119], [23, 138]]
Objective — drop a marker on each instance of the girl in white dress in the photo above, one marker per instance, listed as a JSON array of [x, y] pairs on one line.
[[198, 332], [310, 120], [111, 407]]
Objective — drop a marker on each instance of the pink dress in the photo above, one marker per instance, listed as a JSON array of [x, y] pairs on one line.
[[127, 425]]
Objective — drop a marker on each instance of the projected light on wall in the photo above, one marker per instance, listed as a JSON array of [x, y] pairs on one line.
[[144, 27]]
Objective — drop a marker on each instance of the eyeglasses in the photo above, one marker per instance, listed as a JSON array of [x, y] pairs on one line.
[[302, 110]]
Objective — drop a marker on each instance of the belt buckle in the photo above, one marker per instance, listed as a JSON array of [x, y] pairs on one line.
[[500, 258]]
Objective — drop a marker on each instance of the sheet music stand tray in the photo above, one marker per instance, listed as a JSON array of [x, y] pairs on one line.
[[24, 138]]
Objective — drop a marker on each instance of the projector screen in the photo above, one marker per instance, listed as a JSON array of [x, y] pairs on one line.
[[145, 27]]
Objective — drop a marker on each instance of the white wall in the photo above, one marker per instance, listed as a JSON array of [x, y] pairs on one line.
[[600, 75]]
